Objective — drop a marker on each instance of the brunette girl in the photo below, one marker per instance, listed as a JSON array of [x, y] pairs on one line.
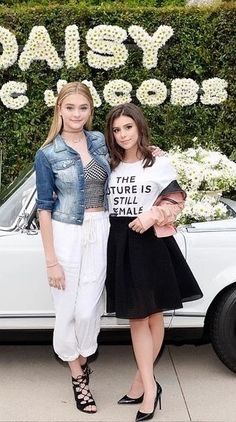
[[146, 271]]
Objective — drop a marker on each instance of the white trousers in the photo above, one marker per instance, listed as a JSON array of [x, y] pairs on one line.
[[81, 250]]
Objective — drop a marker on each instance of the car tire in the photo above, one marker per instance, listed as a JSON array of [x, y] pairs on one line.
[[222, 328]]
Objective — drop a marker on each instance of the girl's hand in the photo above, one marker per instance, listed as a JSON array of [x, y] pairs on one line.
[[136, 226], [156, 151], [56, 277]]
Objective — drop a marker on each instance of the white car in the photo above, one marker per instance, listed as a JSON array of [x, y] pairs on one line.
[[25, 300]]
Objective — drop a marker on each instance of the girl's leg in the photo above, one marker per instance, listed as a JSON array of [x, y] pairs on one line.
[[89, 299], [79, 367], [156, 324], [82, 253], [75, 323], [75, 368], [82, 360], [68, 250], [143, 350]]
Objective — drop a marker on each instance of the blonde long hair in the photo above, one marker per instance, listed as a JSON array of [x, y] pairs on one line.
[[57, 122]]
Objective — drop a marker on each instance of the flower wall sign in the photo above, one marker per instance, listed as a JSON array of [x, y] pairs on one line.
[[151, 92], [107, 51]]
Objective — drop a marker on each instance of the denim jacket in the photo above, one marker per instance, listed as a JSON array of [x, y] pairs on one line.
[[60, 177]]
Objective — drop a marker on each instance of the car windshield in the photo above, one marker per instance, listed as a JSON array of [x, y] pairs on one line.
[[15, 196]]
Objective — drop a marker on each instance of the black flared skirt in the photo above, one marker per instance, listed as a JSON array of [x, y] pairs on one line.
[[145, 274]]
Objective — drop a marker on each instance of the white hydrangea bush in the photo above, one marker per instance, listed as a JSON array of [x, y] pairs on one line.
[[204, 174], [202, 207]]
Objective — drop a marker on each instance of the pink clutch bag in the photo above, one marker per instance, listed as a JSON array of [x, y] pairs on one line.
[[164, 231]]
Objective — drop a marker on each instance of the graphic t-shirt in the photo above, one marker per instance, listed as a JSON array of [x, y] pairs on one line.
[[133, 189]]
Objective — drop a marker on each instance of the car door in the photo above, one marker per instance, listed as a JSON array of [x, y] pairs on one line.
[[25, 300], [210, 253]]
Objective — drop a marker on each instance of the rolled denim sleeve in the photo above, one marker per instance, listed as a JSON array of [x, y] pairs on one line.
[[44, 182]]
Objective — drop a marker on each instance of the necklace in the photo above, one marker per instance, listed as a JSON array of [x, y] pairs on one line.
[[73, 141], [77, 141]]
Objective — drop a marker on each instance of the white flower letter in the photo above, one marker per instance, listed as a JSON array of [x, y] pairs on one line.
[[151, 92], [10, 89], [150, 45], [49, 97], [9, 47], [214, 91], [184, 92], [39, 47], [117, 92], [106, 43], [96, 99], [72, 51]]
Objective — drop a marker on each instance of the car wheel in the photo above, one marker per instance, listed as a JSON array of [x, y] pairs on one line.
[[222, 328]]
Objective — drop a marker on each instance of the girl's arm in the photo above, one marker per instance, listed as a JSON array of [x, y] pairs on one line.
[[45, 202], [55, 272], [45, 221], [162, 214]]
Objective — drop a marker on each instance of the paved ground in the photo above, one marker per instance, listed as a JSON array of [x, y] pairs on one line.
[[34, 387]]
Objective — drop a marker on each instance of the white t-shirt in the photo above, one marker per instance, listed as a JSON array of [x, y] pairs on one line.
[[133, 189]]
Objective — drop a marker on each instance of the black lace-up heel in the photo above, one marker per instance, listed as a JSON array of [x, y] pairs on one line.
[[86, 370], [83, 396]]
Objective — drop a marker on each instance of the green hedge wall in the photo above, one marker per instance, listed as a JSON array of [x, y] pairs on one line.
[[203, 46], [154, 3]]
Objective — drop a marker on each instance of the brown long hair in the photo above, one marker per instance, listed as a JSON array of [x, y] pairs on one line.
[[116, 152], [68, 89]]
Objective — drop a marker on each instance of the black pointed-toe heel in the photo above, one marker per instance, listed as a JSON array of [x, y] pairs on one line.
[[129, 400], [146, 416]]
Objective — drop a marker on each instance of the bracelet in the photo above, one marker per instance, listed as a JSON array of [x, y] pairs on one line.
[[52, 265]]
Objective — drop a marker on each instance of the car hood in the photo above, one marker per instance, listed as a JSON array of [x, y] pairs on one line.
[[4, 233], [227, 224]]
